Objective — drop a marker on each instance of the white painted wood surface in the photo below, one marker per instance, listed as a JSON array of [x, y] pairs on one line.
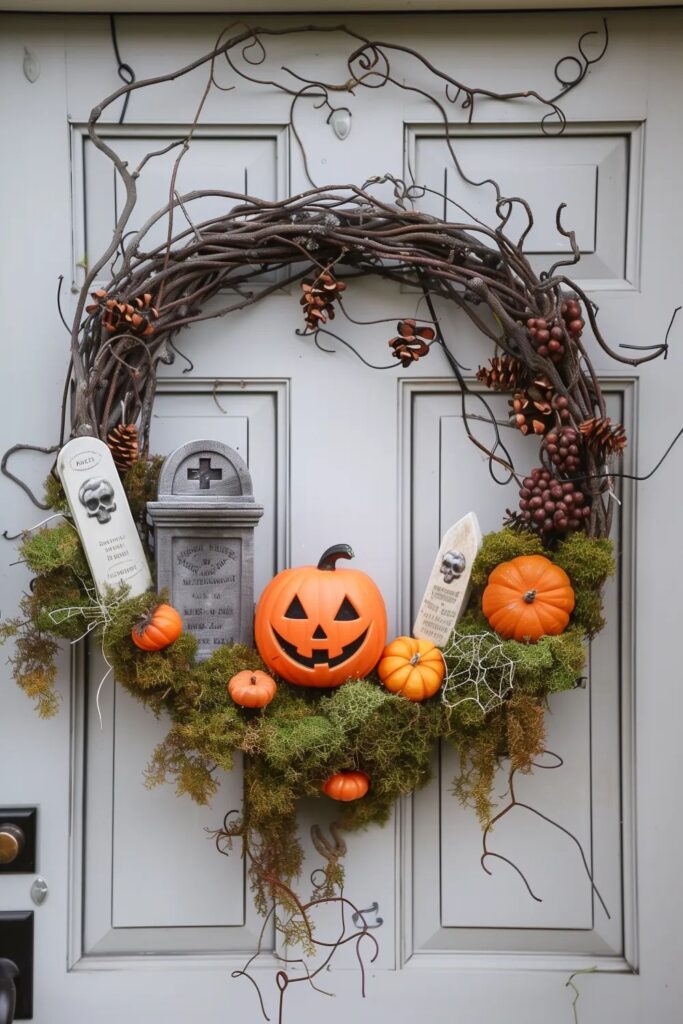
[[452, 939]]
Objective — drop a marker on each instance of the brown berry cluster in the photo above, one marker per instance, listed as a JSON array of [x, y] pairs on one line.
[[552, 507], [547, 338], [561, 407], [318, 297], [570, 311], [563, 448], [132, 318]]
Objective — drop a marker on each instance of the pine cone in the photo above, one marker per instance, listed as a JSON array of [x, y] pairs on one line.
[[505, 373], [532, 409], [516, 522], [123, 444], [318, 297], [411, 343], [135, 318], [603, 437]]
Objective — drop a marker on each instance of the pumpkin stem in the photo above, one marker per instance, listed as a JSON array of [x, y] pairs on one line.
[[143, 621], [415, 658], [253, 681], [530, 596], [328, 559]]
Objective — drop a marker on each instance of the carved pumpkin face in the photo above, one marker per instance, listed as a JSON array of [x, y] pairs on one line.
[[318, 626]]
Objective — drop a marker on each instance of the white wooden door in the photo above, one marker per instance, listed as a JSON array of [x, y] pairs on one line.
[[144, 921]]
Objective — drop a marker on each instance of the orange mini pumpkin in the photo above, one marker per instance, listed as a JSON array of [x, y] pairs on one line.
[[252, 689], [346, 786], [527, 598], [412, 667], [157, 629], [319, 625]]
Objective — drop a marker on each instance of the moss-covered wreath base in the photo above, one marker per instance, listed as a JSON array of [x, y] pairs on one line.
[[290, 747]]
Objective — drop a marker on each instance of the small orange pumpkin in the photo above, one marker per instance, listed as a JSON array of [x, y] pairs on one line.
[[252, 689], [527, 598], [346, 786], [157, 629], [412, 667]]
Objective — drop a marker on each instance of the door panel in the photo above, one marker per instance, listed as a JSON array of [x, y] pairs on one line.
[[150, 921], [228, 158], [594, 169], [138, 894], [459, 907]]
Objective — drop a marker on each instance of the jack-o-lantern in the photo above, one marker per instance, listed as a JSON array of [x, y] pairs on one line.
[[319, 625]]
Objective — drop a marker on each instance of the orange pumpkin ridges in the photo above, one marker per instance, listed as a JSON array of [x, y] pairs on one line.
[[346, 786], [319, 625], [527, 598], [252, 689], [158, 629], [414, 668]]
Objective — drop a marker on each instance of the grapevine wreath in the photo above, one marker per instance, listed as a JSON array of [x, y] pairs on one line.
[[536, 583]]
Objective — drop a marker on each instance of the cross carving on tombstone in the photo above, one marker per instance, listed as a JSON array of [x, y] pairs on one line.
[[205, 474]]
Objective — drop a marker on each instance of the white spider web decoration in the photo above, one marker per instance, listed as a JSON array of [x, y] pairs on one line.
[[481, 671]]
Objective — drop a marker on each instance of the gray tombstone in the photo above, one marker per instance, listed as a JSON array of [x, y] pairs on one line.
[[203, 520]]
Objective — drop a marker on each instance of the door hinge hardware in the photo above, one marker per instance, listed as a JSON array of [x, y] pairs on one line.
[[360, 917], [39, 891], [31, 66]]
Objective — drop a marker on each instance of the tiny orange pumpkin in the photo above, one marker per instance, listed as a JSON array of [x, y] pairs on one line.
[[346, 786], [252, 689], [157, 629], [527, 598], [414, 668]]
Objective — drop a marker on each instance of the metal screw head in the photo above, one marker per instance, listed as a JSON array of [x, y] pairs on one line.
[[31, 67], [340, 119], [39, 891]]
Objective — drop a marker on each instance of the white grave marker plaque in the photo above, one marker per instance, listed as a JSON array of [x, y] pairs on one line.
[[102, 516], [448, 588]]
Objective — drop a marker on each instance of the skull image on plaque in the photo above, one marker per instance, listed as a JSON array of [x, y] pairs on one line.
[[203, 521]]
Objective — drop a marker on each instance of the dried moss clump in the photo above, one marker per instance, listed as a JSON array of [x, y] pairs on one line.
[[514, 731], [140, 483], [552, 664]]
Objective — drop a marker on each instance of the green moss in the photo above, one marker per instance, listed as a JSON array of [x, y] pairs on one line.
[[553, 663], [290, 747], [141, 482], [55, 498], [51, 549], [588, 562], [501, 547]]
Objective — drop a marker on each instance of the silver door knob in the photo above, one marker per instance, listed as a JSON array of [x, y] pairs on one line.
[[11, 843]]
